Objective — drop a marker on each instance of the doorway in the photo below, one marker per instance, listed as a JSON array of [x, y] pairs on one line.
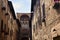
[[56, 38]]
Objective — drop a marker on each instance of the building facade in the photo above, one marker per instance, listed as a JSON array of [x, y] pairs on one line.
[[12, 22], [36, 21], [47, 28], [24, 19], [8, 22], [3, 19]]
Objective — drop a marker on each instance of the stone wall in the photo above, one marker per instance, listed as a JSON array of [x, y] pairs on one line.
[[50, 27]]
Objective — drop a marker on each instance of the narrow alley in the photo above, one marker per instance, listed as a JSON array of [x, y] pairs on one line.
[[42, 23]]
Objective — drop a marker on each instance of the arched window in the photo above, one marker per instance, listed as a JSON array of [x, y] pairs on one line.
[[24, 18], [54, 29]]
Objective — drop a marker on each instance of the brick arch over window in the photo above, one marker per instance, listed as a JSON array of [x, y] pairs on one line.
[[24, 17]]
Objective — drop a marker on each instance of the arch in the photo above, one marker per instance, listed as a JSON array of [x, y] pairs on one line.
[[53, 29], [24, 17], [53, 32], [56, 38]]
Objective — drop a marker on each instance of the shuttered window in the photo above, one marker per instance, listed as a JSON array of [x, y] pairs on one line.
[[34, 28], [43, 9], [1, 25]]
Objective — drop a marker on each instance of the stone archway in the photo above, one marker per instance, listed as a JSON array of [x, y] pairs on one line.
[[56, 38], [55, 32]]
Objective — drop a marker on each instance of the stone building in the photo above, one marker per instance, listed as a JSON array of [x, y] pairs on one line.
[[12, 22], [52, 19], [24, 29], [3, 19], [8, 22], [36, 21], [47, 28]]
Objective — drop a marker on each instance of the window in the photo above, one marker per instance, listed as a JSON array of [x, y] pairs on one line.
[[4, 27], [11, 21], [43, 9], [1, 25], [24, 22], [54, 30], [6, 30], [36, 32], [34, 28]]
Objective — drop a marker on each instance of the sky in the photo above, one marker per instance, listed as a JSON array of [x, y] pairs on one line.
[[22, 6]]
